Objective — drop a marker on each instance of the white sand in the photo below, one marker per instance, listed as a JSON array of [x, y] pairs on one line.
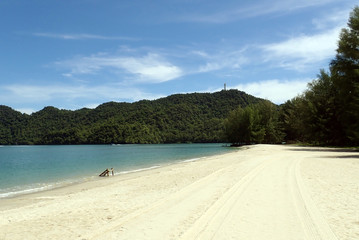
[[262, 192]]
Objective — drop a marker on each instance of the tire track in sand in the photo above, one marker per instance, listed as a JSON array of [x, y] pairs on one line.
[[264, 200], [273, 185], [314, 222], [193, 200], [208, 225]]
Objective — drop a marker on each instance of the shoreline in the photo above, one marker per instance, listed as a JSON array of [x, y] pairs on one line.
[[266, 191], [70, 187], [26, 189]]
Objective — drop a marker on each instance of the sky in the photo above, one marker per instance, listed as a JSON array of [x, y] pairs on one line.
[[72, 54]]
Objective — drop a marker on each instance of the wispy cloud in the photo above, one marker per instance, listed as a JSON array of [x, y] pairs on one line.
[[150, 68], [275, 90], [338, 18], [301, 51], [81, 36], [26, 110], [71, 94], [224, 59], [255, 9]]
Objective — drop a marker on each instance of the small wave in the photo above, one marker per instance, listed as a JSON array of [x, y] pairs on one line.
[[138, 170], [17, 191], [192, 160], [14, 193]]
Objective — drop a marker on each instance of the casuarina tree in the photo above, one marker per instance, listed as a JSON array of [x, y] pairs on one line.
[[345, 73]]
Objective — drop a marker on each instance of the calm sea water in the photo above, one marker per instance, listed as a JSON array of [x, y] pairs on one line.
[[25, 169]]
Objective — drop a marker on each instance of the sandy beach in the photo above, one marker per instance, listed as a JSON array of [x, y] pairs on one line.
[[267, 192]]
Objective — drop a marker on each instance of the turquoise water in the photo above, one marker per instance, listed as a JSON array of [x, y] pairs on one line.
[[25, 169]]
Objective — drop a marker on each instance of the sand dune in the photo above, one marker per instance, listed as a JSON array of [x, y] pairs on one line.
[[258, 192]]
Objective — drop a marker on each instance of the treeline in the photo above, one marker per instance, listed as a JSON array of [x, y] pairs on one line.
[[196, 117], [256, 123], [327, 113]]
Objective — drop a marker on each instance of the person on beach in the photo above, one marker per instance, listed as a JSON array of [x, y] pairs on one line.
[[106, 173]]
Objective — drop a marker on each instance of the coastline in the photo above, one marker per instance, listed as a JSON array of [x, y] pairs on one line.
[[122, 166], [241, 194], [72, 186], [68, 183]]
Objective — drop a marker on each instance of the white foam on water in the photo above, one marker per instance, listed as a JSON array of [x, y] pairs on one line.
[[138, 170], [17, 191], [13, 193], [192, 160]]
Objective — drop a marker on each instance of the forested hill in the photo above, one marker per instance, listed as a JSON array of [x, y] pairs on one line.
[[195, 117]]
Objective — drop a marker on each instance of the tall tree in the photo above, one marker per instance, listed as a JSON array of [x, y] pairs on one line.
[[269, 121], [241, 126], [321, 118], [256, 123], [313, 117], [345, 73]]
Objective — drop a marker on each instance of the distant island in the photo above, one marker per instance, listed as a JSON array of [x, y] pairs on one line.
[[179, 118]]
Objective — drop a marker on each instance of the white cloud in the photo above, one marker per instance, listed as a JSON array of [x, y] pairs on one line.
[[200, 53], [335, 18], [92, 105], [302, 51], [275, 90], [255, 9], [71, 94], [80, 36], [26, 110], [231, 59], [151, 68]]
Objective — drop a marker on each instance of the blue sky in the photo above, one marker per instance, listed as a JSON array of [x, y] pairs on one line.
[[80, 53]]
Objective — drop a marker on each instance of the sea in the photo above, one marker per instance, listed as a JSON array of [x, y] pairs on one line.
[[28, 169]]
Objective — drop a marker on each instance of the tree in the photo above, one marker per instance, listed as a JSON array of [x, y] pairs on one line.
[[291, 121], [327, 112], [269, 121], [257, 123], [323, 115], [345, 73], [313, 117]]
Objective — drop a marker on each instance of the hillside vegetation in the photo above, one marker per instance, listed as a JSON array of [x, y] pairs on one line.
[[196, 117]]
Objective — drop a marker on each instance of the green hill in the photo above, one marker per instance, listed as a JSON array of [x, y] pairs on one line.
[[195, 117]]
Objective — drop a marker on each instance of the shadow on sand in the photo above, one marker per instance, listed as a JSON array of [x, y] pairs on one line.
[[322, 149], [326, 149]]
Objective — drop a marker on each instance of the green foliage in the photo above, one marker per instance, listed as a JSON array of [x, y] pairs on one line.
[[269, 120], [312, 117], [327, 113], [291, 119], [11, 126], [196, 117], [257, 123], [345, 75], [322, 125], [238, 126]]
